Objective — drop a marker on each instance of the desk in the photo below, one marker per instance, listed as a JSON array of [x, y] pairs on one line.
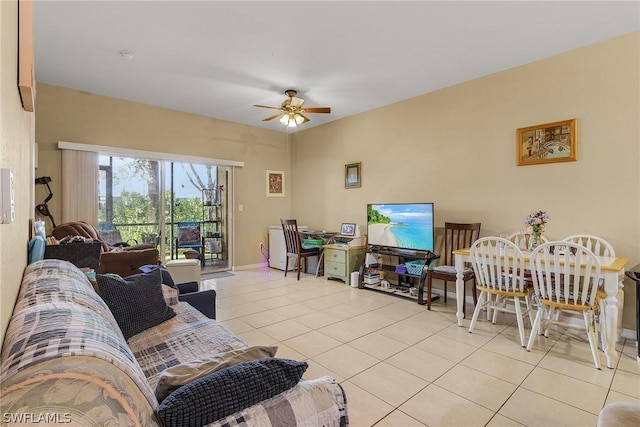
[[610, 267], [326, 236]]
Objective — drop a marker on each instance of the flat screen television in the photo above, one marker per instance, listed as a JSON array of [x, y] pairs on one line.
[[401, 225]]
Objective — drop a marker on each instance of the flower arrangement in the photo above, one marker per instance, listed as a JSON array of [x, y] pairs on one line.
[[535, 222]]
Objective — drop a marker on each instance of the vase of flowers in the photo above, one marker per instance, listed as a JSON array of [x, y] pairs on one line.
[[535, 225]]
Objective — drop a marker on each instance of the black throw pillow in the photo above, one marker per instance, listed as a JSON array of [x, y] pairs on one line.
[[135, 301], [229, 390]]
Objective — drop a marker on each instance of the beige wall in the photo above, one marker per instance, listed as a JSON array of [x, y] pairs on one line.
[[456, 147], [74, 116], [15, 154]]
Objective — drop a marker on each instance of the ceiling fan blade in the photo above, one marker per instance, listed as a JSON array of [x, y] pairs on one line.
[[272, 117], [296, 102], [306, 119], [317, 110], [266, 106]]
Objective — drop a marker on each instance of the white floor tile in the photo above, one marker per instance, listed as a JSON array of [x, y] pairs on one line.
[[435, 406], [574, 392], [364, 408], [499, 366], [535, 410], [284, 330], [627, 383], [312, 343], [446, 348], [403, 365], [389, 383], [399, 419], [345, 360], [424, 365], [485, 390]]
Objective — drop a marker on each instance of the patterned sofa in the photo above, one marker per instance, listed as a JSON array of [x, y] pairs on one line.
[[65, 360]]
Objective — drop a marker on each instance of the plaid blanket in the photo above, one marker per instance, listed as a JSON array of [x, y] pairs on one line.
[[64, 356]]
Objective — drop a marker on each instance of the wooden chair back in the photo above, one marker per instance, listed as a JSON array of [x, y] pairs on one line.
[[595, 244], [291, 236], [458, 236], [565, 274], [494, 270]]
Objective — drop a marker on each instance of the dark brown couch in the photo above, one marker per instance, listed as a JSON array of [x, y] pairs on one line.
[[123, 261]]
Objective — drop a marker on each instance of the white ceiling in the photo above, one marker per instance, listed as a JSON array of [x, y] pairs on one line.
[[217, 59]]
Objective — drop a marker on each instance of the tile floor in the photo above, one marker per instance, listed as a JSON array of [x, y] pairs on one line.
[[401, 365]]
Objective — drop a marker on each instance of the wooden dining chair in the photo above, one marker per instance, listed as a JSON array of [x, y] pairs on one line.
[[499, 265], [456, 236], [565, 277], [295, 248]]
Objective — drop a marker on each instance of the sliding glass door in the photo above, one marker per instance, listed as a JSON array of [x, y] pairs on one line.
[[129, 199], [164, 203]]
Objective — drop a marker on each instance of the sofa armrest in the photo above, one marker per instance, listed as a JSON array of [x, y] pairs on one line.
[[187, 287], [203, 301]]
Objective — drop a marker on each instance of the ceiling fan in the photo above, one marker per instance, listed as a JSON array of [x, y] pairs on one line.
[[291, 112]]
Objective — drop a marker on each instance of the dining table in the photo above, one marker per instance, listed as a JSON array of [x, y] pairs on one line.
[[610, 269]]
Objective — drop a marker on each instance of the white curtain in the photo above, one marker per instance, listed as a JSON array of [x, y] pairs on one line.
[[80, 186]]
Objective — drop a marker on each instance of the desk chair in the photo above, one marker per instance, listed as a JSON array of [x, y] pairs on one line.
[[295, 248], [456, 236]]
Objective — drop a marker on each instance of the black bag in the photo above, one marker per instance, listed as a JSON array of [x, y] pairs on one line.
[[79, 254]]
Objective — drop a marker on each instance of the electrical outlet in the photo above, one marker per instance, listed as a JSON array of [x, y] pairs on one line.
[[261, 245]]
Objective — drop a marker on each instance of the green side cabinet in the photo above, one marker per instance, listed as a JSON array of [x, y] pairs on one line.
[[340, 261]]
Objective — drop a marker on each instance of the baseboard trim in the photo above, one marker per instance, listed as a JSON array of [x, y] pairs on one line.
[[249, 266]]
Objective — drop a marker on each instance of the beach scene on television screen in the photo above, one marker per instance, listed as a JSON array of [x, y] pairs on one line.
[[401, 225]]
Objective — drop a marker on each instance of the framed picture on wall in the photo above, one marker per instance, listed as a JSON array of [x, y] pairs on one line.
[[352, 173], [547, 143], [275, 183]]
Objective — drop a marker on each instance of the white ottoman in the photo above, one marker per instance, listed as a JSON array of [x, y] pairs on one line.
[[184, 270], [619, 414]]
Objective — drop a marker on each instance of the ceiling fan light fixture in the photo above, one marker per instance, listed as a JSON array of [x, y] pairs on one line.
[[291, 112], [289, 120]]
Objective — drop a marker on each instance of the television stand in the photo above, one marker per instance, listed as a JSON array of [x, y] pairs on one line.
[[403, 270], [407, 252]]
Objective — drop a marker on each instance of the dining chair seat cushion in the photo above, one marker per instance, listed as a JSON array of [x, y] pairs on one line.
[[506, 286], [450, 269]]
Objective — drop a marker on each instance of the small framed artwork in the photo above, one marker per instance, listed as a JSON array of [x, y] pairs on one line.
[[275, 183], [548, 143], [348, 229], [352, 175]]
